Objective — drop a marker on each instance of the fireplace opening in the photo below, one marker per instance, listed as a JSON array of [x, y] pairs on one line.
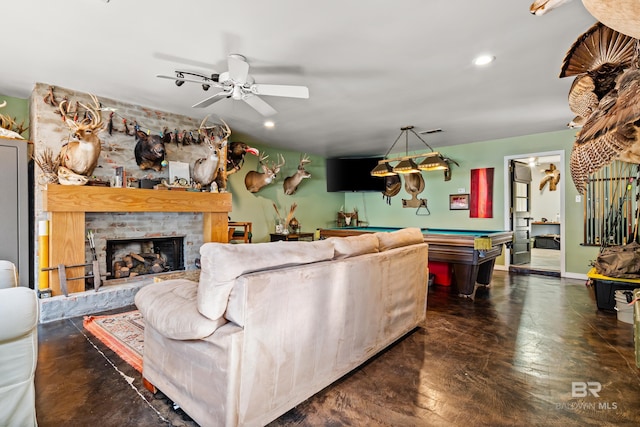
[[145, 255]]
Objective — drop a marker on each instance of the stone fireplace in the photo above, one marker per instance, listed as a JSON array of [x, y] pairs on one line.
[[146, 255], [73, 210]]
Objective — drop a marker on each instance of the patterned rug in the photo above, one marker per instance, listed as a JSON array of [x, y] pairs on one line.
[[123, 333]]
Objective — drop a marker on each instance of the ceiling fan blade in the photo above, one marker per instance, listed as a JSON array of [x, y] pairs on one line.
[[210, 100], [281, 90], [238, 69], [260, 105]]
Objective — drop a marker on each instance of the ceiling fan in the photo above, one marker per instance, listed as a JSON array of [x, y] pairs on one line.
[[237, 84]]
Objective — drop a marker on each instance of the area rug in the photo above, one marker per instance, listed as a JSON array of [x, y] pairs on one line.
[[123, 333]]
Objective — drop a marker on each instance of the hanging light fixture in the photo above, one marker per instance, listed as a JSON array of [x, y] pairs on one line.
[[407, 164], [433, 162], [383, 168]]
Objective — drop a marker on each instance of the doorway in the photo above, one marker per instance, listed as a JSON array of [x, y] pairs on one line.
[[539, 224]]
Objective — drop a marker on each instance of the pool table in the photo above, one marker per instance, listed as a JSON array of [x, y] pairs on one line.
[[471, 253]]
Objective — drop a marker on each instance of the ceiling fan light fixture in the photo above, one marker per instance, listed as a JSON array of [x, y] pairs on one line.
[[179, 83], [236, 93], [205, 87], [383, 169]]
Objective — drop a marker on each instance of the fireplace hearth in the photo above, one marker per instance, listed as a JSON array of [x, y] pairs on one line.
[[145, 255]]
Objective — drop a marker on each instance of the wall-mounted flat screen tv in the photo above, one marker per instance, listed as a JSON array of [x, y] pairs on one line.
[[353, 174]]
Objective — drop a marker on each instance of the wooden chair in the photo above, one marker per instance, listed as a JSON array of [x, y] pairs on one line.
[[240, 235]]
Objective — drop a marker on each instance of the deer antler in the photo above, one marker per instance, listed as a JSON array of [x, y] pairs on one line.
[[279, 165], [304, 159], [94, 111], [227, 130], [95, 121], [263, 157]]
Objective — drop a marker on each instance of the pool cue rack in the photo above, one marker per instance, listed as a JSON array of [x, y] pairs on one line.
[[611, 205]]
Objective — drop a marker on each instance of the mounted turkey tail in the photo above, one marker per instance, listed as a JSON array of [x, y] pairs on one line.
[[582, 97], [589, 158], [618, 108], [598, 46]]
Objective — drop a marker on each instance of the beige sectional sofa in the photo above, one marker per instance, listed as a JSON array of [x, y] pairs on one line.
[[270, 324]]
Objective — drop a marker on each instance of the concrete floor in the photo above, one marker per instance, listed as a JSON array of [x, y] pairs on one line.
[[511, 357]]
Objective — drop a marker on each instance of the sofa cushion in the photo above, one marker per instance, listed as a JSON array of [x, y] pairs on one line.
[[403, 237], [222, 263], [346, 247], [171, 308]]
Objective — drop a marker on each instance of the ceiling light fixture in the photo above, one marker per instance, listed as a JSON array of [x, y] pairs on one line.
[[483, 60], [433, 162], [406, 164], [269, 124]]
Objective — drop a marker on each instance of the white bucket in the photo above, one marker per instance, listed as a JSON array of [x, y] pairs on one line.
[[625, 311]]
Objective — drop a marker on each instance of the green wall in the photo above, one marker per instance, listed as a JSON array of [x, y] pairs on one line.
[[17, 109], [316, 208], [484, 154]]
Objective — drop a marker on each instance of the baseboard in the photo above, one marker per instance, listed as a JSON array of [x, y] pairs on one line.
[[580, 276]]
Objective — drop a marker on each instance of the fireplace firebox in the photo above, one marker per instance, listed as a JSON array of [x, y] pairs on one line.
[[145, 255]]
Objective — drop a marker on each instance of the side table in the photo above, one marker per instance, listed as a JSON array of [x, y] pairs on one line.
[[275, 237]]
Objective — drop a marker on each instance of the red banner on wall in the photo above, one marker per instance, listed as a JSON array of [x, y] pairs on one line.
[[481, 203]]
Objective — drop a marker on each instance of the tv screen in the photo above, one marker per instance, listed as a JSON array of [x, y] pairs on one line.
[[353, 174]]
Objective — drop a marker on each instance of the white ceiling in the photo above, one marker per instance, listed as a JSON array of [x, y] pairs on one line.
[[371, 66]]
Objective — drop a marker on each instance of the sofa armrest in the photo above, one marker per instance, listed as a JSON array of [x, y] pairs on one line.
[[19, 310], [171, 308], [8, 274]]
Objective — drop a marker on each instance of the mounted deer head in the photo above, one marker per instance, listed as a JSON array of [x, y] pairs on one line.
[[254, 181], [211, 168], [81, 154], [346, 218], [291, 183]]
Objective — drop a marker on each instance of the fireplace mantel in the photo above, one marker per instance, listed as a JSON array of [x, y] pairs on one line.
[[67, 206]]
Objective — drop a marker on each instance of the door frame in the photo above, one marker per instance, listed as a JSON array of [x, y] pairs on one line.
[[561, 188]]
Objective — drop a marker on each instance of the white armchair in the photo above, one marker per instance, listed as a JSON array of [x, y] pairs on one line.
[[18, 350], [8, 274]]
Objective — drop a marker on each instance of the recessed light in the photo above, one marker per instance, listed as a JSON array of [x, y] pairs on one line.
[[483, 60], [269, 124]]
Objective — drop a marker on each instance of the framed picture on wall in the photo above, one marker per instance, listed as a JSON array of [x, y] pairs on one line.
[[458, 202]]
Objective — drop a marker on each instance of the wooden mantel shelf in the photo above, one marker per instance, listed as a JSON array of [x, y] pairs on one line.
[[72, 198], [67, 205]]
